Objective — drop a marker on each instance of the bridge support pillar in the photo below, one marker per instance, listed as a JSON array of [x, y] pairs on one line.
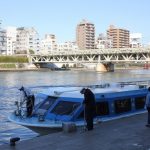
[[101, 67], [105, 67]]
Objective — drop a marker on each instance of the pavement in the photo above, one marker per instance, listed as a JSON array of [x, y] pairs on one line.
[[128, 133]]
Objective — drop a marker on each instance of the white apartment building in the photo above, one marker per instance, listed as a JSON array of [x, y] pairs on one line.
[[11, 33], [49, 43], [3, 42], [27, 39], [68, 46], [135, 40], [103, 42]]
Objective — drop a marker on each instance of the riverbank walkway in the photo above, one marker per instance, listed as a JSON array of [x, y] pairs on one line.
[[121, 134]]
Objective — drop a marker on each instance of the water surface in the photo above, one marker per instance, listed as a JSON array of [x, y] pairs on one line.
[[11, 81]]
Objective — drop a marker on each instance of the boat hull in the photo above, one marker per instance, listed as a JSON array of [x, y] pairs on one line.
[[47, 127], [44, 130], [32, 123]]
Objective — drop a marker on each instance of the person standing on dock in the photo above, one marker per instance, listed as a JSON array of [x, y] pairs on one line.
[[89, 107], [147, 103]]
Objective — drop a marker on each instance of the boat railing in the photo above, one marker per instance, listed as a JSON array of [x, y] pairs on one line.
[[104, 85], [141, 83]]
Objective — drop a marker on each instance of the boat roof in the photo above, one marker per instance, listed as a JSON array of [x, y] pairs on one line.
[[74, 92]]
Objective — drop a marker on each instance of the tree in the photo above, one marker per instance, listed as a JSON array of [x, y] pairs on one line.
[[31, 51]]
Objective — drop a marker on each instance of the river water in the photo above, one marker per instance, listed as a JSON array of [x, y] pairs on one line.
[[11, 81]]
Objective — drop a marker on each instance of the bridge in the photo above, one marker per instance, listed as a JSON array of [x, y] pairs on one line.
[[99, 57]]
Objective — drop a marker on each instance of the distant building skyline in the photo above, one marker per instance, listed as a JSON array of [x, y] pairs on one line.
[[98, 42], [24, 39]]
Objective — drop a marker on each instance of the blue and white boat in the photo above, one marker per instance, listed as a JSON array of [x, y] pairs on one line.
[[57, 105]]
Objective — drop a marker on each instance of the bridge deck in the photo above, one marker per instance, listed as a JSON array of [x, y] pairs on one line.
[[133, 55]]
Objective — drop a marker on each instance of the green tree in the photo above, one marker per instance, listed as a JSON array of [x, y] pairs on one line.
[[31, 51]]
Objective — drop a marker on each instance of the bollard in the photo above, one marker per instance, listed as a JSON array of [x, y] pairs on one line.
[[69, 127], [13, 141]]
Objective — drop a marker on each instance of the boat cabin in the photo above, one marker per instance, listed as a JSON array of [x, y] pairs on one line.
[[65, 104]]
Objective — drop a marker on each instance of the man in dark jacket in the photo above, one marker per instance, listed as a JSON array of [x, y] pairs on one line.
[[89, 109]]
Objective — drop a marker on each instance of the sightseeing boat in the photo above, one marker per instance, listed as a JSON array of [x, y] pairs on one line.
[[55, 106]]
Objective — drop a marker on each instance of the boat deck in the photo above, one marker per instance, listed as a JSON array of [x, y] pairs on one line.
[[127, 133]]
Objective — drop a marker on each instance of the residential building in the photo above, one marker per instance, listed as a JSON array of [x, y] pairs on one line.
[[3, 42], [103, 42], [135, 40], [119, 37], [68, 46], [27, 39], [11, 33], [49, 43], [85, 35]]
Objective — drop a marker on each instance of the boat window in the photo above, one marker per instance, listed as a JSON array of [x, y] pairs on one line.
[[48, 102], [65, 108], [122, 105], [39, 99], [46, 105], [140, 102], [102, 108]]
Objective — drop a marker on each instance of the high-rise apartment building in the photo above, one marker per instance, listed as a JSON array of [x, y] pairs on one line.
[[85, 35], [119, 37]]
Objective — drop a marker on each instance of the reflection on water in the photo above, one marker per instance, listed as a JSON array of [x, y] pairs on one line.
[[11, 81]]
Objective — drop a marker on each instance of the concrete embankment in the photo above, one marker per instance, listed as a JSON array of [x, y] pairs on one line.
[[24, 69], [122, 134]]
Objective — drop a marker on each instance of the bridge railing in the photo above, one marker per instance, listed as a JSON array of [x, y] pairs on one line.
[[97, 51]]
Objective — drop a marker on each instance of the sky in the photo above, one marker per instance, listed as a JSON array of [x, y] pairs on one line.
[[60, 17]]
